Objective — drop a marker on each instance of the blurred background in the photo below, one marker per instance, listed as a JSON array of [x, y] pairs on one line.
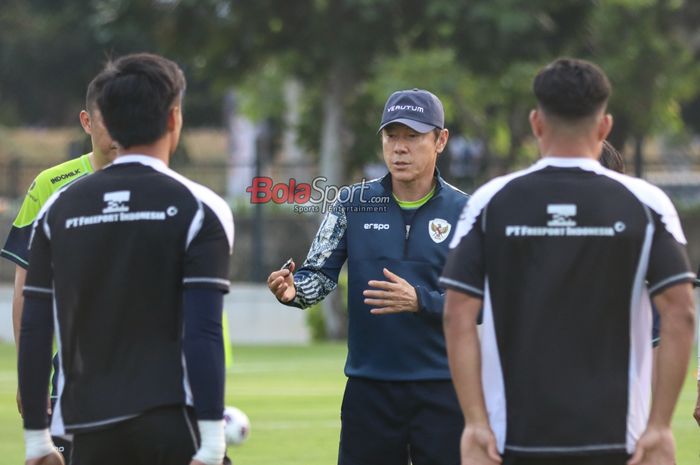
[[295, 89]]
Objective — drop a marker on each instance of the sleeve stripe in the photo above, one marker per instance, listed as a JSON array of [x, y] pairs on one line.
[[460, 285], [653, 197], [667, 281], [15, 258], [195, 225], [224, 282], [481, 198], [209, 198], [41, 290]]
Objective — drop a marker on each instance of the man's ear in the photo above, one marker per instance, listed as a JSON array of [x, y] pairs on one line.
[[173, 117], [536, 123], [442, 140], [84, 117], [605, 126]]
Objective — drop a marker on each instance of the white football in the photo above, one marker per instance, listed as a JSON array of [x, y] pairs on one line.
[[236, 426]]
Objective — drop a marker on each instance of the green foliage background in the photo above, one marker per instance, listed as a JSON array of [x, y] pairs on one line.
[[479, 56]]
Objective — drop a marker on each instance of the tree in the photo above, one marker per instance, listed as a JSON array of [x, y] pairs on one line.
[[326, 43], [47, 57], [51, 49]]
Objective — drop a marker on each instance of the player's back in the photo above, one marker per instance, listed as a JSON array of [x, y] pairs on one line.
[[567, 248], [126, 242]]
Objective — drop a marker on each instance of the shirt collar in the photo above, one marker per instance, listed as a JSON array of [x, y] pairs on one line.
[[387, 184]]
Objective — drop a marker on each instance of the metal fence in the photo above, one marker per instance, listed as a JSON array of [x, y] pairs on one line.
[[16, 176], [266, 235]]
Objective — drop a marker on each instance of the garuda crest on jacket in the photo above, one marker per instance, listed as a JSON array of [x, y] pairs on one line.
[[439, 229]]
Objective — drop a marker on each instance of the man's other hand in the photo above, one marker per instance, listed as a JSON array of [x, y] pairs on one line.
[[395, 295]]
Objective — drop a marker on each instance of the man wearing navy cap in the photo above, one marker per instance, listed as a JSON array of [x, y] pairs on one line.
[[399, 402]]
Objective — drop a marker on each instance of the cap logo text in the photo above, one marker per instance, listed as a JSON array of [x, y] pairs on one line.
[[405, 108]]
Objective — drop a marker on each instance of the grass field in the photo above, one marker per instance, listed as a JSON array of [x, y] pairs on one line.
[[292, 395]]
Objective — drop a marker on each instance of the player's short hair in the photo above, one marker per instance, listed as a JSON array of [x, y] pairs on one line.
[[612, 159], [571, 89], [91, 94], [135, 95]]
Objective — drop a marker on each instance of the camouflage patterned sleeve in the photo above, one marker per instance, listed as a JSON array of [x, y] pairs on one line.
[[319, 274]]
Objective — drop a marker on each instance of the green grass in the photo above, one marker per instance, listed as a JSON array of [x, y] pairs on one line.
[[685, 428], [292, 396]]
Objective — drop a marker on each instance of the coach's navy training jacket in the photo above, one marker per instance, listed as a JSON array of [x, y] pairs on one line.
[[369, 231]]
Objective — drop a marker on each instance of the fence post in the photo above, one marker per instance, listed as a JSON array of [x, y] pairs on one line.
[[262, 154], [638, 156]]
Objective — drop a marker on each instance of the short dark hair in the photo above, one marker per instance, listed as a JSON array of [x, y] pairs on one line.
[[91, 94], [135, 95], [571, 89], [612, 159]]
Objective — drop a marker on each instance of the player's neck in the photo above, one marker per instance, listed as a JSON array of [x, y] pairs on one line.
[[413, 190], [93, 161], [571, 148], [159, 149], [556, 154], [97, 162]]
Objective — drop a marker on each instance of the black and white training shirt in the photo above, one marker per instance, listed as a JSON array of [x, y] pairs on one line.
[[565, 255], [114, 250]]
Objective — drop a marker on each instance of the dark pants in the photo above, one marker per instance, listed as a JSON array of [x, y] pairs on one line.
[[162, 436], [388, 423], [64, 447], [607, 459]]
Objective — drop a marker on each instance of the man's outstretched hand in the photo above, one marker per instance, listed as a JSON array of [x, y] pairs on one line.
[[281, 283]]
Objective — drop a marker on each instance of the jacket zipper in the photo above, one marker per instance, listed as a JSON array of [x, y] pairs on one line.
[[405, 239], [408, 226]]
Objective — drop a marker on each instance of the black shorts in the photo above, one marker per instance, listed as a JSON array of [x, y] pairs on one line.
[[386, 423], [162, 436], [606, 459], [63, 446]]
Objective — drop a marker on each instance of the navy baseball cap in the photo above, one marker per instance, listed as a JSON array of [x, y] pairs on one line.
[[418, 109]]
